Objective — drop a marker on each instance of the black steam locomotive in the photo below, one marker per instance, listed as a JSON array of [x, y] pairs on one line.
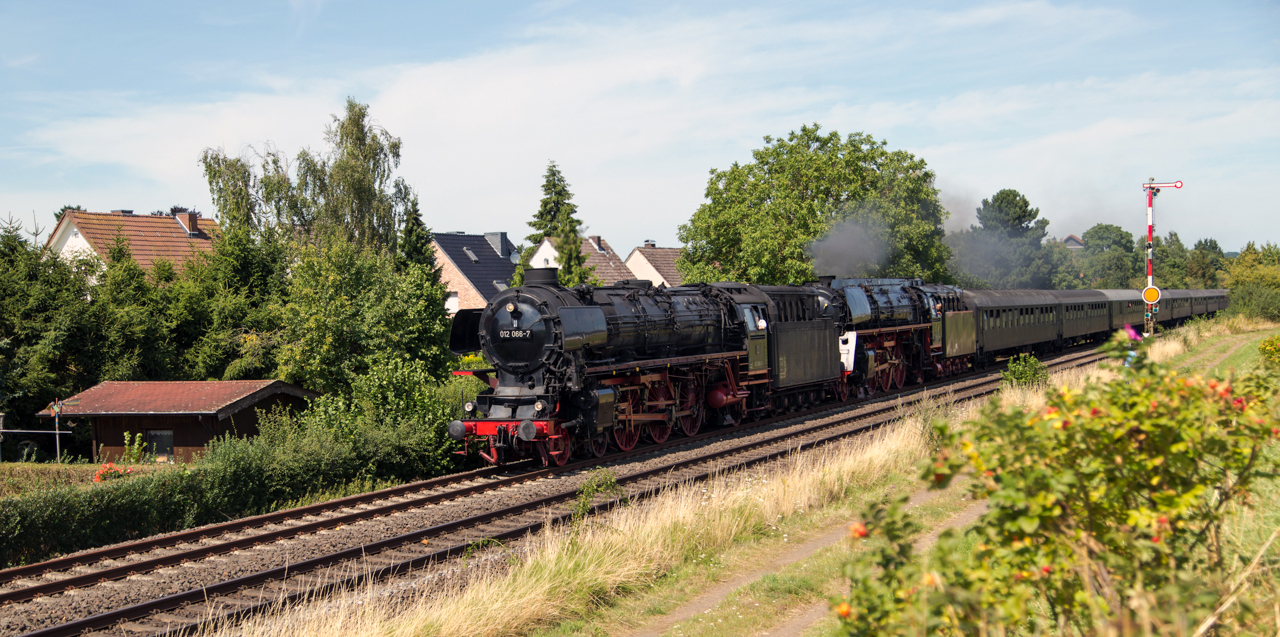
[[577, 371]]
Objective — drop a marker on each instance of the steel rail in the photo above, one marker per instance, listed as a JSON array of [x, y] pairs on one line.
[[187, 555], [876, 418]]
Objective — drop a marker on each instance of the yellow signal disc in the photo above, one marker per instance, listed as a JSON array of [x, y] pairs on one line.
[[1151, 294]]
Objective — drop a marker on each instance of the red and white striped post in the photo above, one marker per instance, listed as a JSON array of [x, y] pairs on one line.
[[1151, 294]]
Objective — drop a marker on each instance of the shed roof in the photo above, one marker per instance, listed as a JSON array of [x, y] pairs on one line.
[[151, 237], [220, 398], [482, 258]]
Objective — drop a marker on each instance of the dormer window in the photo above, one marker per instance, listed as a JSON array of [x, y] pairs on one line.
[[471, 255]]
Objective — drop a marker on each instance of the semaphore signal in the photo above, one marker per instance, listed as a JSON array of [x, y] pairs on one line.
[[1151, 294]]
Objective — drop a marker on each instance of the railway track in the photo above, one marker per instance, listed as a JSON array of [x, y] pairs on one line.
[[399, 554]]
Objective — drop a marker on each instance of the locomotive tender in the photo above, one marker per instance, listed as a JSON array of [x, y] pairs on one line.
[[577, 371]]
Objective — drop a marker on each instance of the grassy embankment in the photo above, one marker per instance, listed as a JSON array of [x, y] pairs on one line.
[[637, 564], [619, 573]]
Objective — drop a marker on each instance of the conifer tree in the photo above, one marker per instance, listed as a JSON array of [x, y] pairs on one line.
[[574, 270], [555, 212], [415, 242]]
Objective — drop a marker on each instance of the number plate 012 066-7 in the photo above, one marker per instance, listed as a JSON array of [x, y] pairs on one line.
[[515, 333]]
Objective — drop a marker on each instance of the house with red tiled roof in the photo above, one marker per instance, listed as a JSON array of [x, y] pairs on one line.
[[176, 418], [1073, 242], [658, 265], [152, 237], [609, 267]]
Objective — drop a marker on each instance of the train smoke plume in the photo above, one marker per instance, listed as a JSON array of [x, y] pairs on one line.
[[855, 247]]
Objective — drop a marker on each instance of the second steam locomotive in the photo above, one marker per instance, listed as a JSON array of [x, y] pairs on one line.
[[578, 371]]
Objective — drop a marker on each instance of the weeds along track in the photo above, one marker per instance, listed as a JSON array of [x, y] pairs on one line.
[[181, 581]]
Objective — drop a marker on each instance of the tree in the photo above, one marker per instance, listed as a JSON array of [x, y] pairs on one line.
[[760, 218], [556, 216], [1110, 259], [415, 243], [574, 270], [1205, 265], [346, 192], [348, 309], [57, 216], [1170, 261], [1006, 249]]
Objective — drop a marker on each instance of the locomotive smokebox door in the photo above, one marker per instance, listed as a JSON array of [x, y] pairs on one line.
[[757, 337]]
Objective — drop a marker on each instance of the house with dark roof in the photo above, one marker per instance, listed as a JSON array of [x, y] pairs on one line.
[[1073, 242], [655, 264], [151, 237], [474, 267], [609, 267], [176, 418]]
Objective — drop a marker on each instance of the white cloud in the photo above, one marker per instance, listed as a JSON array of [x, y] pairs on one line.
[[636, 112]]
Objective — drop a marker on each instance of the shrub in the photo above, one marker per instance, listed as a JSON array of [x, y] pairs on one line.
[[1105, 506], [1270, 350], [1025, 370], [393, 428], [1256, 301]]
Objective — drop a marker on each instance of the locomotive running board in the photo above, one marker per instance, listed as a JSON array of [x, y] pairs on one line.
[[663, 362]]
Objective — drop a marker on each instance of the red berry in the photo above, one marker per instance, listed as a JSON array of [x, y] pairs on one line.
[[857, 529], [1046, 568], [1164, 520], [843, 609], [1156, 539]]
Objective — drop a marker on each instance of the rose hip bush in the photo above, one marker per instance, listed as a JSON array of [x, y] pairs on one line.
[[1105, 506], [1270, 350]]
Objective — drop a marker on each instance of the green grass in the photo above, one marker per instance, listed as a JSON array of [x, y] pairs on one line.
[[1246, 357]]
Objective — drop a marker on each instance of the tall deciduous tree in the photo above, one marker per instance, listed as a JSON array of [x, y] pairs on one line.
[[1110, 259], [347, 192], [760, 218]]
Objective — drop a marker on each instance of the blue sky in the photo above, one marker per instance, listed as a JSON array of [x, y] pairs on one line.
[[109, 105]]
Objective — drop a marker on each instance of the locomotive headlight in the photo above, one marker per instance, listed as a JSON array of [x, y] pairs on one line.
[[511, 307], [469, 407], [539, 406]]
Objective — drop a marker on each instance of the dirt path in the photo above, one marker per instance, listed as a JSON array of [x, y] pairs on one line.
[[1234, 344], [717, 594], [814, 613], [1224, 357]]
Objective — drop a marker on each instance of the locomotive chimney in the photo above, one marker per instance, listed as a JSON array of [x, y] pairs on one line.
[[542, 276], [826, 280]]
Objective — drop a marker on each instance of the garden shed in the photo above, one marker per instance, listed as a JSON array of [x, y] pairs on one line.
[[176, 418]]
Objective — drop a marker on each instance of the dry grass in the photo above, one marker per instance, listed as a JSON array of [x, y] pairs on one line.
[[1178, 341], [566, 573]]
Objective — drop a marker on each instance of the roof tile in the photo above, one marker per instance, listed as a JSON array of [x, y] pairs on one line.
[[170, 397], [151, 238]]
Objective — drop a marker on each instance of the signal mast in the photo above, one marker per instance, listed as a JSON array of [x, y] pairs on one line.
[[1151, 294]]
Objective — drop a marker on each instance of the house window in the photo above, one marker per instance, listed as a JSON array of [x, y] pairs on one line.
[[500, 285], [471, 255], [160, 443]]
